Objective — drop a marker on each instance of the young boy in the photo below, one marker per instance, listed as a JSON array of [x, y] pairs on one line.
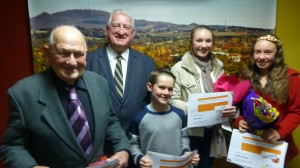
[[158, 126]]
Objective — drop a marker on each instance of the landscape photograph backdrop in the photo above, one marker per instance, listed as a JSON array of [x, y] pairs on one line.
[[162, 26]]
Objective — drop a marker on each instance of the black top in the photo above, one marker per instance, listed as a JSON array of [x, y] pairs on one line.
[[83, 96]]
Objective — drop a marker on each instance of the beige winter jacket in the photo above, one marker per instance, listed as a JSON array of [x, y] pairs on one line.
[[188, 80]]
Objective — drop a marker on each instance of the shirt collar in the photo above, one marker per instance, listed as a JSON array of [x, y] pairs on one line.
[[113, 55]]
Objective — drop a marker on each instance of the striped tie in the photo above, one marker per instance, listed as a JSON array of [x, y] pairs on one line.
[[118, 77], [78, 122]]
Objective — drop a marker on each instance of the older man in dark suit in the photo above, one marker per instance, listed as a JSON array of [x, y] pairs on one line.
[[41, 131], [128, 79]]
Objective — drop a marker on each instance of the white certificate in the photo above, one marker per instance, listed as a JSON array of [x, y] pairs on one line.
[[204, 109], [160, 160], [251, 151]]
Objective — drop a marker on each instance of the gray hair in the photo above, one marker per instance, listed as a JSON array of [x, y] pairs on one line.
[[52, 37], [117, 11]]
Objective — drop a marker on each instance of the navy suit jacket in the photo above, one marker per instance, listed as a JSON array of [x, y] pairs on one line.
[[39, 132], [135, 95]]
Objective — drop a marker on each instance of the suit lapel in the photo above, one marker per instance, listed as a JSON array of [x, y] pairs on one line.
[[96, 103], [106, 69], [131, 70], [55, 116], [104, 64]]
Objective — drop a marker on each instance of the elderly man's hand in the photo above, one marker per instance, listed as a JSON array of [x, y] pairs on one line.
[[122, 157]]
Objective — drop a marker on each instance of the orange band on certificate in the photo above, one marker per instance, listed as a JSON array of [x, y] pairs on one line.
[[183, 166], [260, 140], [175, 161], [215, 97], [258, 149], [211, 106]]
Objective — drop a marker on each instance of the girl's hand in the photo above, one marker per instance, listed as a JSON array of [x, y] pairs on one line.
[[271, 135], [229, 111], [243, 125]]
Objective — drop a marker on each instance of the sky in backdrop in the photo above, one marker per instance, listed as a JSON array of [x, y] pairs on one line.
[[248, 13]]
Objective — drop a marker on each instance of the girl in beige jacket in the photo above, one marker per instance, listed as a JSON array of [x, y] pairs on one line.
[[195, 73]]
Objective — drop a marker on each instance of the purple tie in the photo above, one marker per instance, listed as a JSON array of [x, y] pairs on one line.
[[78, 122]]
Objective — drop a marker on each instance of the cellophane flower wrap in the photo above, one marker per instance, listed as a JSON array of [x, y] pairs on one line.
[[231, 80], [232, 83], [258, 113]]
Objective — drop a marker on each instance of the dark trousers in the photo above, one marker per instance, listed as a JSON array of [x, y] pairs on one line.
[[202, 144]]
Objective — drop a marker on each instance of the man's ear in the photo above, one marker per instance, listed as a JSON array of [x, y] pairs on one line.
[[149, 86], [133, 34], [106, 30], [46, 50]]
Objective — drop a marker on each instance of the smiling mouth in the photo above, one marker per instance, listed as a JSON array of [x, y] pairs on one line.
[[203, 51], [164, 98], [262, 64]]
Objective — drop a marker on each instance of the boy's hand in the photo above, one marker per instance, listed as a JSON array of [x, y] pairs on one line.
[[195, 159], [145, 162]]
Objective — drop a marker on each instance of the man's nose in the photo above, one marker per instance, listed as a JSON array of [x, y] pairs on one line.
[[72, 60], [121, 30]]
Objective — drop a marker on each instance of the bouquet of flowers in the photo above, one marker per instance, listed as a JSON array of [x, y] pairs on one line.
[[258, 113]]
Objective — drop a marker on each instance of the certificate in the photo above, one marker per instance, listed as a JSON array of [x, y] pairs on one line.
[[160, 160], [105, 164], [251, 151], [204, 109]]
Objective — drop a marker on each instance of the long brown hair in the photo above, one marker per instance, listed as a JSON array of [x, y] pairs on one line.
[[277, 78]]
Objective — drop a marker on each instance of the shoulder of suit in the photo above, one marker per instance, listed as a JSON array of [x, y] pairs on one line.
[[33, 82], [92, 74], [93, 77]]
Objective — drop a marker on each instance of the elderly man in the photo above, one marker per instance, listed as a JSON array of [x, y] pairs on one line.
[[126, 70], [63, 116]]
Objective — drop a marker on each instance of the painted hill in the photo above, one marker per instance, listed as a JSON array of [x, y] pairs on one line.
[[94, 19]]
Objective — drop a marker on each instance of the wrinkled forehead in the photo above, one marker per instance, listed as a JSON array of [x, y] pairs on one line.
[[70, 40], [70, 47]]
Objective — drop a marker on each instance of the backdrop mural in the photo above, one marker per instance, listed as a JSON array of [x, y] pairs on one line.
[[163, 26]]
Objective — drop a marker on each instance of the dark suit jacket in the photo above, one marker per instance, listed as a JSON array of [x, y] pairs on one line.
[[39, 131], [136, 95]]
